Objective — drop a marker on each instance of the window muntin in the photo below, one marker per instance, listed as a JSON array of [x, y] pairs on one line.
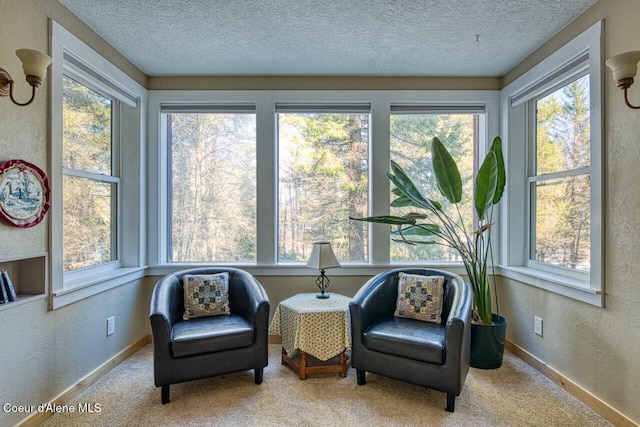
[[212, 186], [560, 177], [410, 146], [323, 171], [90, 180]]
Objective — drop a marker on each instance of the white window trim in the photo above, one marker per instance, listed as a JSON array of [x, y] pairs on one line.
[[266, 152], [514, 246], [70, 55]]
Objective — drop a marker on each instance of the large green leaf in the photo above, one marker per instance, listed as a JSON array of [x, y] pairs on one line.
[[401, 202], [418, 230], [446, 171], [400, 179], [387, 219], [496, 148], [485, 185], [416, 242]]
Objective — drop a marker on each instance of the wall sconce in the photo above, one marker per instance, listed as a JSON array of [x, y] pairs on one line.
[[34, 65], [624, 67]]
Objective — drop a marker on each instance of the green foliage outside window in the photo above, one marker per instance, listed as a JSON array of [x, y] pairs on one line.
[[88, 204], [323, 179]]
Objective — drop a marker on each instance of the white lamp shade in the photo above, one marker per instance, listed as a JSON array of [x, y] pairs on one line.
[[34, 62], [624, 65], [322, 256]]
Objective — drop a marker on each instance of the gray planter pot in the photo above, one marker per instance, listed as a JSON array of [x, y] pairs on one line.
[[487, 343]]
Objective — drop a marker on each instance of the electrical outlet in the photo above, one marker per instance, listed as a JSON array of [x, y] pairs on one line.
[[537, 325], [111, 325]]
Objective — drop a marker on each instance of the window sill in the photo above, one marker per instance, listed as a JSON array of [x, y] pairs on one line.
[[93, 285], [300, 269], [555, 283]]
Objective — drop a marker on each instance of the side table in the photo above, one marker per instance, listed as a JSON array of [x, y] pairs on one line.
[[317, 327]]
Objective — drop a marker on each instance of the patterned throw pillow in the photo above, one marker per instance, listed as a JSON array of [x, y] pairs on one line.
[[420, 297], [206, 295]]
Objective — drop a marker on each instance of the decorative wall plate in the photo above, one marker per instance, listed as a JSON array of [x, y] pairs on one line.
[[24, 193]]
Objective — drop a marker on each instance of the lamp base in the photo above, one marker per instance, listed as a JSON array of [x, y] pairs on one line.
[[322, 296]]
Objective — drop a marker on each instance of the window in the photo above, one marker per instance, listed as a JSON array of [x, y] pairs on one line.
[[278, 170], [411, 134], [91, 180], [212, 182], [322, 180], [559, 179], [98, 167], [552, 122]]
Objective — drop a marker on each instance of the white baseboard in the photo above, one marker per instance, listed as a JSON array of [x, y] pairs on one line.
[[37, 418], [604, 409]]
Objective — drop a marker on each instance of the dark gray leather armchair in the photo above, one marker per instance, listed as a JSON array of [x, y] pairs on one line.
[[427, 354], [208, 346]]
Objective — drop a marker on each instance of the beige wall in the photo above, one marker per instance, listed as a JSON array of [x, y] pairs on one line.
[[597, 348], [44, 352]]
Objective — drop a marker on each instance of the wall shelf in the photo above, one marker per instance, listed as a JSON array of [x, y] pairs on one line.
[[29, 276]]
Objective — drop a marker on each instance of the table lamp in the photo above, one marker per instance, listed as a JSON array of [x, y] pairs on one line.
[[322, 257]]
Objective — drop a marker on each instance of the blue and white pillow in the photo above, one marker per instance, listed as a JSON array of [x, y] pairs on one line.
[[206, 295], [420, 297]]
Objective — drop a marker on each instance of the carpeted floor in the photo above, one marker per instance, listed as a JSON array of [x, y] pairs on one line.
[[513, 395]]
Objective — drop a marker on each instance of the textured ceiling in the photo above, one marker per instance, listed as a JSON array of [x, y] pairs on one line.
[[327, 37]]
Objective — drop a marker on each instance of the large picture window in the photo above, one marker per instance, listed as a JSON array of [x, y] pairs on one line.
[[254, 178], [322, 180], [410, 146], [212, 182]]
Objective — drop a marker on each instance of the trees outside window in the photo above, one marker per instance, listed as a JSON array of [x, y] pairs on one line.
[[560, 178], [256, 178], [90, 177], [212, 186], [411, 136], [322, 180]]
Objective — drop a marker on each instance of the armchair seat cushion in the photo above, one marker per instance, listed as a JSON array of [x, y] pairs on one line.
[[210, 335], [407, 338]]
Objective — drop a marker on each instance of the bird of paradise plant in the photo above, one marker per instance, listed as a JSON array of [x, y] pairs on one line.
[[433, 226]]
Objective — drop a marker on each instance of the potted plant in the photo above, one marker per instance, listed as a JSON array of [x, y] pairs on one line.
[[433, 226]]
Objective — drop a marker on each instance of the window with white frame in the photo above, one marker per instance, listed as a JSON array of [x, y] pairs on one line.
[[212, 183], [97, 165], [552, 118], [91, 181], [323, 169], [412, 130], [559, 177], [304, 160]]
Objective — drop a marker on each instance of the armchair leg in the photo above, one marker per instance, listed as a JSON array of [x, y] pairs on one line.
[[258, 375], [451, 401], [360, 373], [165, 394]]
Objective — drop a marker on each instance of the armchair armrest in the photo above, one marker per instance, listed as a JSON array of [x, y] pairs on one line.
[[166, 309], [458, 326], [375, 300], [248, 298]]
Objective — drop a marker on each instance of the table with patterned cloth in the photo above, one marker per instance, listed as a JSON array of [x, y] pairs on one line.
[[313, 326]]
